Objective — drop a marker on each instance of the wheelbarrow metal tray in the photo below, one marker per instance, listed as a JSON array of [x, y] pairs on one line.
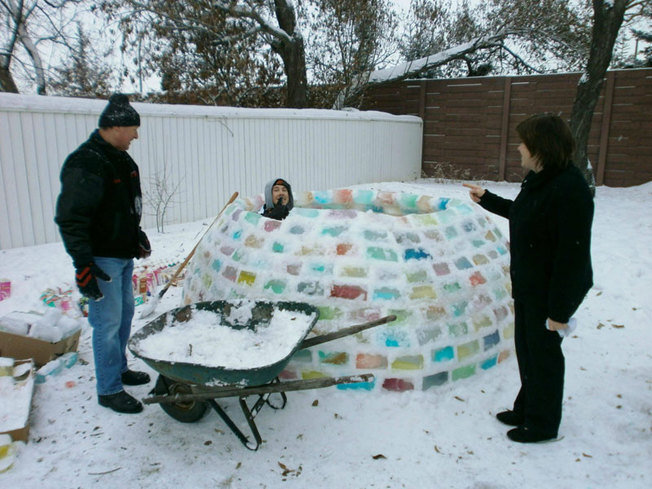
[[237, 315]]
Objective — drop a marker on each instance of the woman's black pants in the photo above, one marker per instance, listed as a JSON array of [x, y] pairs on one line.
[[541, 367]]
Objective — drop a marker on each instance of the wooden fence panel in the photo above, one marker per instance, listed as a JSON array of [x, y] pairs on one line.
[[470, 123]]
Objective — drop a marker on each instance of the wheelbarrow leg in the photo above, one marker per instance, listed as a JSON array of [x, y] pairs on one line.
[[250, 415], [233, 427]]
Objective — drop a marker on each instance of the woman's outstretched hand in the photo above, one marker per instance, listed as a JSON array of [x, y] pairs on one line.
[[475, 193]]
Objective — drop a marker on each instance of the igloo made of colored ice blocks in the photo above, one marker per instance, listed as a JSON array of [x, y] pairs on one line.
[[440, 265]]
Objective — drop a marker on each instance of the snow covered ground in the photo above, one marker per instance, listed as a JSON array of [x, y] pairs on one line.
[[445, 437]]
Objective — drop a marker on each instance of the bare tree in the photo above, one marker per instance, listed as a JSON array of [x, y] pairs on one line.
[[30, 23], [607, 19], [83, 73], [274, 21], [160, 195], [349, 40]]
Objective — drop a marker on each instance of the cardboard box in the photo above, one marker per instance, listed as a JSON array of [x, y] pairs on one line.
[[17, 403], [21, 347]]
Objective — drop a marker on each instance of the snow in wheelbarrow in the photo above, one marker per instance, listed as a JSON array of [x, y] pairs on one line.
[[220, 343]]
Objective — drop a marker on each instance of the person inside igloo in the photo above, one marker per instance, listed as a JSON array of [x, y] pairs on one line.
[[278, 199]]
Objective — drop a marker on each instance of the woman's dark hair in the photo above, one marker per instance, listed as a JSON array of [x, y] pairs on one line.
[[548, 138]]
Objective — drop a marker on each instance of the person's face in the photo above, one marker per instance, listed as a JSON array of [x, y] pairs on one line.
[[280, 192], [123, 136], [528, 161]]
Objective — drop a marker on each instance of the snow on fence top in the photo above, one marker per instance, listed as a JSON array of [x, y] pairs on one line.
[[37, 103], [358, 255]]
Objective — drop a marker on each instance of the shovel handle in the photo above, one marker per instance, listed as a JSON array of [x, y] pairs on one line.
[[185, 262], [318, 340]]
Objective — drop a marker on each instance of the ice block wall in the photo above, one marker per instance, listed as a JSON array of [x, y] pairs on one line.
[[440, 265]]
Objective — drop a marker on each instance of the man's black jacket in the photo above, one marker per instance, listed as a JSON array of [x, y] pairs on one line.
[[100, 205], [550, 239]]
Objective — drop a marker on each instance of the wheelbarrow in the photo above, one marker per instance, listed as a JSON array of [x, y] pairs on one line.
[[214, 350]]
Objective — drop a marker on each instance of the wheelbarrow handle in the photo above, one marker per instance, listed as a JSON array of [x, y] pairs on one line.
[[318, 340]]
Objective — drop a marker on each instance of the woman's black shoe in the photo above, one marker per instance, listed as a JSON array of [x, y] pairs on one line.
[[511, 418], [525, 435], [131, 377], [121, 402]]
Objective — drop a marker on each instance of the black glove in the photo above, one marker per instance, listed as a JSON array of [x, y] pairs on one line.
[[86, 277], [278, 212], [144, 248]]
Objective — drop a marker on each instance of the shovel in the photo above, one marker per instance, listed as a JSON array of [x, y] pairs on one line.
[[150, 306]]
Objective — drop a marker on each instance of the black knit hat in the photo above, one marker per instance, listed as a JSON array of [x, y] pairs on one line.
[[119, 113]]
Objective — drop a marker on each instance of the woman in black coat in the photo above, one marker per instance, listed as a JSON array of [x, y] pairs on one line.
[[550, 233]]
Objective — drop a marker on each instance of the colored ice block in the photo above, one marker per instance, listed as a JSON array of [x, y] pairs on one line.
[[398, 385], [367, 360], [443, 354], [435, 380], [408, 362], [463, 372], [348, 292], [491, 340]]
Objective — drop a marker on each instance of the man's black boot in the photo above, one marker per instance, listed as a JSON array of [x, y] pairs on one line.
[[131, 377], [121, 402]]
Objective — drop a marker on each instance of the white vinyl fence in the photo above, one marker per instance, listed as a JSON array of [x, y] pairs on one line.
[[207, 153]]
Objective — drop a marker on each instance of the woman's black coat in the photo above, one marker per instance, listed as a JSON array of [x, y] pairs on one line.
[[550, 239]]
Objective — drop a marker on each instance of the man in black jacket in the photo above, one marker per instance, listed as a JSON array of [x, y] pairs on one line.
[[550, 244], [98, 213]]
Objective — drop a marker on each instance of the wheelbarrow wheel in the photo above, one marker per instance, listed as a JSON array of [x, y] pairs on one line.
[[186, 412]]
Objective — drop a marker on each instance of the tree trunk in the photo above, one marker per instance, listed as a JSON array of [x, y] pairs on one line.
[[294, 62], [293, 54], [606, 24], [7, 83]]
